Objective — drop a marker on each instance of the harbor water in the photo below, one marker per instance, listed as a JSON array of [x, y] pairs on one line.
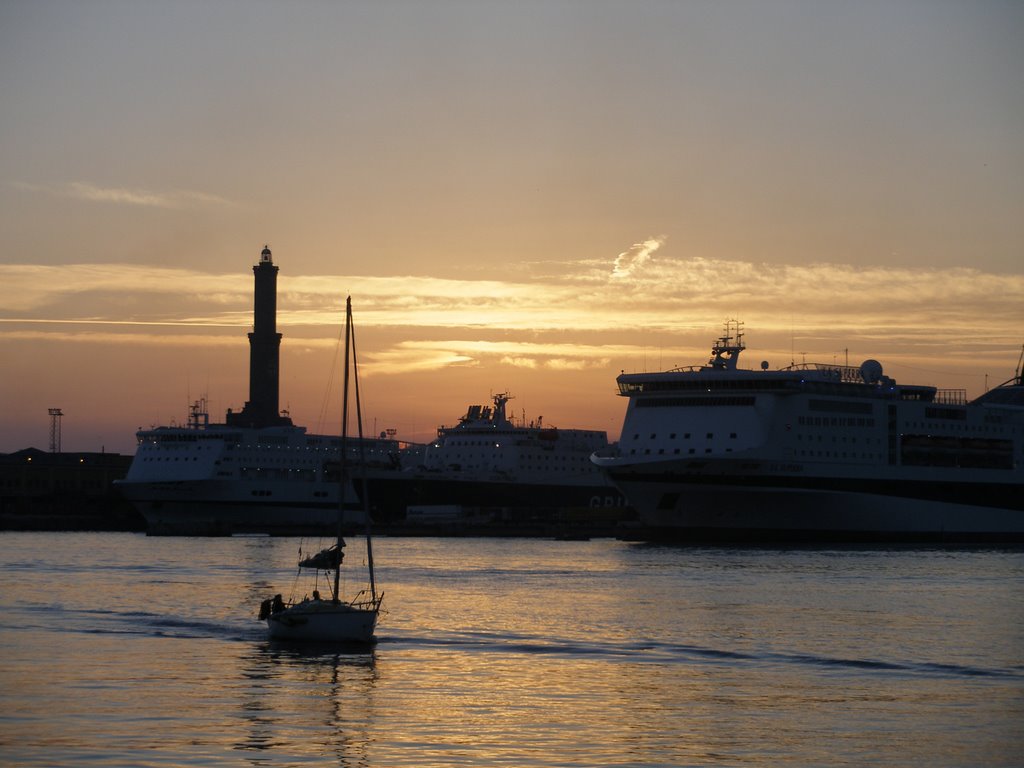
[[123, 650]]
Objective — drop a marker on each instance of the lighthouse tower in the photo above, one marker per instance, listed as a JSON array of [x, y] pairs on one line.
[[261, 410]]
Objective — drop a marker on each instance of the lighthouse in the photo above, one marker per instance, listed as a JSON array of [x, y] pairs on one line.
[[261, 409]]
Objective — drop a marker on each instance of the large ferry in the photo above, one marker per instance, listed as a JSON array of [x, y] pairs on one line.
[[490, 460], [817, 452], [218, 479]]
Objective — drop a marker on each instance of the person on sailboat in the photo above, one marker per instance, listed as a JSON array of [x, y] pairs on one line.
[[269, 606]]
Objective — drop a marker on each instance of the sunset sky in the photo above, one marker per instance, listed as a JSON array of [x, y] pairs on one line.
[[522, 196]]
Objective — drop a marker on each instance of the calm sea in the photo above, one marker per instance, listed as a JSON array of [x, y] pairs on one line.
[[123, 650]]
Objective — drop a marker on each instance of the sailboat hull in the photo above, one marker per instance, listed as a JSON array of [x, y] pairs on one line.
[[323, 622]]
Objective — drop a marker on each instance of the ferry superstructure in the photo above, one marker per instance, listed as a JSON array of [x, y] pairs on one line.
[[490, 460], [212, 479], [817, 452]]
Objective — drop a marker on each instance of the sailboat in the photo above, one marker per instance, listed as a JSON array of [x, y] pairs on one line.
[[333, 619]]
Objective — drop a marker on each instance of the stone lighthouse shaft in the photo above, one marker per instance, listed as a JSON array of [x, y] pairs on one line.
[[261, 410]]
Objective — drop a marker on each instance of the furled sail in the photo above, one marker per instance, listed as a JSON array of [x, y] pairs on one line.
[[325, 559]]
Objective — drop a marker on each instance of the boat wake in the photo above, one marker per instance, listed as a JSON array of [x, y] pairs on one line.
[[102, 621], [658, 652]]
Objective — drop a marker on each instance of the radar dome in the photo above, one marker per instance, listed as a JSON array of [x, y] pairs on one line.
[[871, 371]]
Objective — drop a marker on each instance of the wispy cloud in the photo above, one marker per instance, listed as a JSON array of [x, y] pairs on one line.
[[627, 262], [67, 333], [434, 354], [28, 288], [172, 199]]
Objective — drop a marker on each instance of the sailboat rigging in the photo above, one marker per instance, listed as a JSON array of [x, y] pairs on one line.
[[334, 619]]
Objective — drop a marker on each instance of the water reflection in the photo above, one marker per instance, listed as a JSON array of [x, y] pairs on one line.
[[307, 701], [526, 653]]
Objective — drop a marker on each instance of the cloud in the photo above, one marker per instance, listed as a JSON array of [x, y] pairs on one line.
[[185, 340], [83, 191], [669, 296], [437, 354], [562, 364], [173, 199], [411, 358], [636, 256], [519, 362], [669, 304], [28, 288]]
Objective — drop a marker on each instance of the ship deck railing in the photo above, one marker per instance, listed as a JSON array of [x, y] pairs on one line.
[[950, 397]]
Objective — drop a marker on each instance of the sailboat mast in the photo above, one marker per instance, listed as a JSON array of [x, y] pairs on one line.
[[362, 468], [343, 465]]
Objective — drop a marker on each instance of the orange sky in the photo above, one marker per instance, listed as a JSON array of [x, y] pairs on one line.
[[526, 198]]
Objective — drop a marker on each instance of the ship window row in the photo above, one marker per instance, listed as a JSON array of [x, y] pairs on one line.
[[695, 402], [286, 461], [954, 414], [188, 438], [179, 447], [975, 453], [834, 421], [196, 458], [353, 447], [263, 473], [273, 440], [676, 451], [840, 455], [842, 389], [836, 439], [492, 443], [543, 457], [839, 406], [632, 387], [996, 429]]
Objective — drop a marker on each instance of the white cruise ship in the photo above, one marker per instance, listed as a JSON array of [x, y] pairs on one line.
[[489, 460], [218, 479], [817, 452]]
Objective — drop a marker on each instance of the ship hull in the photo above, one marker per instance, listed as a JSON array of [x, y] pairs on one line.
[[323, 623], [223, 508], [783, 509], [390, 497], [215, 508], [816, 452]]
